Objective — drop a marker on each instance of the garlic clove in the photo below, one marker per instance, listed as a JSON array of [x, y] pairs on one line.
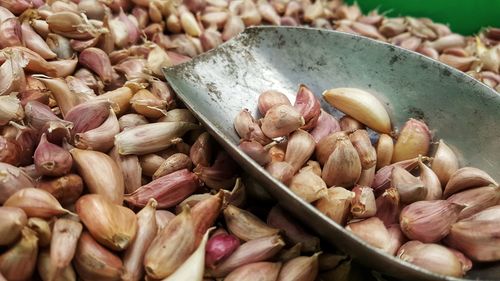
[[100, 173], [66, 189], [175, 162], [299, 149], [410, 188], [465, 178], [98, 61], [367, 153], [119, 99], [163, 217], [431, 182], [47, 271], [413, 140], [343, 167], [219, 247], [205, 212], [349, 124], [397, 238], [384, 149], [147, 228], [327, 145], [13, 221], [10, 109], [147, 104], [363, 204], [264, 271], [12, 179], [131, 120], [475, 200], [373, 232], [367, 177], [52, 160], [65, 236], [177, 240], [256, 151], [270, 98], [362, 106], [336, 204], [382, 177], [256, 250], [245, 225], [36, 203], [433, 257], [222, 174], [388, 206], [100, 138], [281, 171], [477, 236], [308, 106], [248, 129], [88, 115], [151, 137], [429, 221], [281, 120], [94, 262], [234, 25], [326, 125], [201, 151], [19, 261], [42, 229], [308, 185], [292, 231]]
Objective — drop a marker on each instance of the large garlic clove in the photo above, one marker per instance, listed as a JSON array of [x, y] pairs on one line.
[[384, 148], [410, 188], [429, 221], [110, 224], [343, 167], [336, 204], [36, 203], [477, 236], [360, 105], [467, 177], [476, 200], [433, 257], [444, 162], [414, 140]]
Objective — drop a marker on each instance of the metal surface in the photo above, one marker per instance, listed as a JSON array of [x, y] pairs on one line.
[[459, 109]]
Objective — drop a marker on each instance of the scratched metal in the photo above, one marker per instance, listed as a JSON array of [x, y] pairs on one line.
[[459, 109]]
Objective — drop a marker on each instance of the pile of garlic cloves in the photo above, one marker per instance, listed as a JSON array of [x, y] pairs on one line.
[[382, 186]]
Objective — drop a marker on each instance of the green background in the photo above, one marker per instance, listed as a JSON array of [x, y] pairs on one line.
[[463, 16]]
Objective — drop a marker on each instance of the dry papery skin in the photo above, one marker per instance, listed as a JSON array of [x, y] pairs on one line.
[[85, 112]]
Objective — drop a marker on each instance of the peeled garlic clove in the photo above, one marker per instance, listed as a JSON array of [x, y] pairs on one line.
[[383, 176], [94, 262], [299, 149], [256, 250], [13, 221], [293, 232], [12, 179], [271, 98], [336, 204], [65, 236], [18, 262], [429, 221], [477, 236], [168, 190], [133, 269], [363, 204], [327, 145], [475, 200], [360, 105], [384, 148], [42, 229], [367, 153], [388, 206], [343, 167], [307, 185], [152, 137], [264, 271], [66, 189], [36, 203], [52, 160], [281, 120], [177, 240], [100, 173], [219, 247], [433, 257], [281, 171], [326, 125], [308, 106], [414, 140], [410, 188], [431, 182], [465, 178], [245, 225]]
